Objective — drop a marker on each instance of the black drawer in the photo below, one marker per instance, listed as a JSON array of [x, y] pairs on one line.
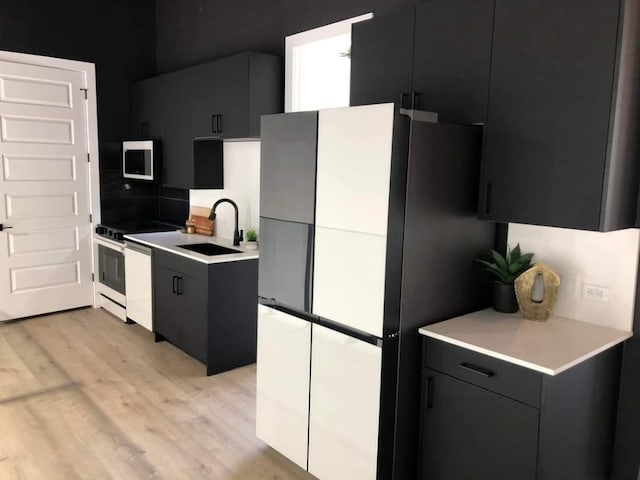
[[498, 376], [182, 264]]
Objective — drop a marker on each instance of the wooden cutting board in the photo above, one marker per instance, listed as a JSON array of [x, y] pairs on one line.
[[199, 218]]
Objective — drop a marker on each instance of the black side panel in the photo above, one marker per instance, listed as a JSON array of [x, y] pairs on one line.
[[441, 239], [382, 58], [626, 458], [286, 253], [577, 419], [288, 166], [266, 89], [452, 57], [472, 433], [233, 315]]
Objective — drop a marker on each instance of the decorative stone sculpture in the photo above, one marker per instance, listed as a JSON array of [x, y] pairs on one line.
[[537, 292]]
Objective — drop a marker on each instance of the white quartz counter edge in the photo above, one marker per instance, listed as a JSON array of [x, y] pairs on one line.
[[169, 241], [509, 338]]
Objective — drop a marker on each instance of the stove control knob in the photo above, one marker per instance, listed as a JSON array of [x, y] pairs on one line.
[[118, 236], [100, 230]]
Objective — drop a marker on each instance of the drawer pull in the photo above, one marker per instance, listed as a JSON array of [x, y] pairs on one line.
[[477, 370]]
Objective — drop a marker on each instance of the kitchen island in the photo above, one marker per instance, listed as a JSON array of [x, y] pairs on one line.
[[206, 305]]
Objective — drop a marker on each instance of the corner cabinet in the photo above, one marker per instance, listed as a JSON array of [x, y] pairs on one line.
[[433, 57], [560, 146], [206, 310], [223, 99], [486, 418]]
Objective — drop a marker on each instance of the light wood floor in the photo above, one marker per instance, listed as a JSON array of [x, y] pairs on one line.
[[84, 396]]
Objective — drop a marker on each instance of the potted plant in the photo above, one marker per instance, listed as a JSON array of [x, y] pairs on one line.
[[252, 240], [506, 269]]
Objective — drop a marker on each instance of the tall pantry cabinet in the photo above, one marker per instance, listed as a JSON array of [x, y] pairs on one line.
[[389, 247]]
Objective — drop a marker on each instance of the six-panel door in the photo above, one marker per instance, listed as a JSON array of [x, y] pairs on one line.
[[282, 392]]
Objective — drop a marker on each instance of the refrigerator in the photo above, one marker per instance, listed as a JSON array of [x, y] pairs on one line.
[[367, 231]]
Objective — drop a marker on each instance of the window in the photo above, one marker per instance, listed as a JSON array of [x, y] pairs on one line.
[[318, 66]]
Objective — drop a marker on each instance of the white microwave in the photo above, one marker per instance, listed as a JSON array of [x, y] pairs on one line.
[[140, 160]]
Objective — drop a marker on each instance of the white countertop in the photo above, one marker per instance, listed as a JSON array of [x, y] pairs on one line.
[[171, 241], [549, 347]]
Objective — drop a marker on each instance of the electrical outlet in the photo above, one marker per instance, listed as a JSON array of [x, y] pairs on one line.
[[595, 292]]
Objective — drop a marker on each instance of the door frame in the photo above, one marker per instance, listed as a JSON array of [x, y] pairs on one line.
[[89, 72]]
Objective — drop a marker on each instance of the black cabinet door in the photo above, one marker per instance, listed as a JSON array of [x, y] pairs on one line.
[[471, 433], [452, 57], [382, 58], [147, 114], [177, 145], [288, 166], [552, 72], [221, 89], [191, 317], [166, 305]]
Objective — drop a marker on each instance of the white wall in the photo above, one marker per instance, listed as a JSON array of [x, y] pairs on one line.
[[241, 184], [579, 257]]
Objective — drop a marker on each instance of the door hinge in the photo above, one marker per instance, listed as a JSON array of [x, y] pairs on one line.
[[90, 218], [88, 157], [85, 93], [93, 277]]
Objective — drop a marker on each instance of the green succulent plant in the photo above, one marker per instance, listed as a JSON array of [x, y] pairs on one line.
[[508, 268], [251, 235]]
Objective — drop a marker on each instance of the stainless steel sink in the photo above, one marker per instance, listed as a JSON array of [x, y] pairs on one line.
[[209, 249]]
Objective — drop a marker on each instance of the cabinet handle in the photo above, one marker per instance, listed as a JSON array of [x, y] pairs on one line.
[[487, 199], [179, 290], [175, 281], [477, 370], [213, 123], [144, 129], [219, 123], [414, 97], [429, 392], [403, 97]]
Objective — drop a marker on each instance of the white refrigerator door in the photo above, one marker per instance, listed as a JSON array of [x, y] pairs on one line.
[[137, 275], [282, 393], [349, 278], [345, 407], [354, 168]]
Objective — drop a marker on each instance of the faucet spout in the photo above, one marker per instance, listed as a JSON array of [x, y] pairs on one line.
[[237, 235]]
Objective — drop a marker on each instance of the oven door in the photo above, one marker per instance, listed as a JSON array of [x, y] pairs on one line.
[[111, 268]]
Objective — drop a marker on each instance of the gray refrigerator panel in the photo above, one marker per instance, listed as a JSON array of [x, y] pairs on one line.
[[288, 166], [286, 253]]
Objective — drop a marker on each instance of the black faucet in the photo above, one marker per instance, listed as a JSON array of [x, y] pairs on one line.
[[237, 235]]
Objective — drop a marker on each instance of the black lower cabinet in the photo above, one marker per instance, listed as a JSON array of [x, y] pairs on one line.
[[494, 434], [207, 310], [486, 419]]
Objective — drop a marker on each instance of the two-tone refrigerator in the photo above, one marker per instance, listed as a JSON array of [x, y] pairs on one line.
[[367, 232]]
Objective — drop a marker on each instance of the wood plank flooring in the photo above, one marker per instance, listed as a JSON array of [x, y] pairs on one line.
[[84, 396]]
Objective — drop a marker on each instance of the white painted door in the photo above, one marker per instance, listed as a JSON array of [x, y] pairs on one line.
[[282, 393], [345, 407], [45, 257]]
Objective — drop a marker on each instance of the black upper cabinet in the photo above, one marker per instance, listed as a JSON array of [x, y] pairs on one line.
[[452, 56], [222, 99], [561, 139], [382, 58], [433, 57]]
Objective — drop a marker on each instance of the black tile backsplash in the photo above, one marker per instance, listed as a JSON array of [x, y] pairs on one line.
[[123, 199]]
